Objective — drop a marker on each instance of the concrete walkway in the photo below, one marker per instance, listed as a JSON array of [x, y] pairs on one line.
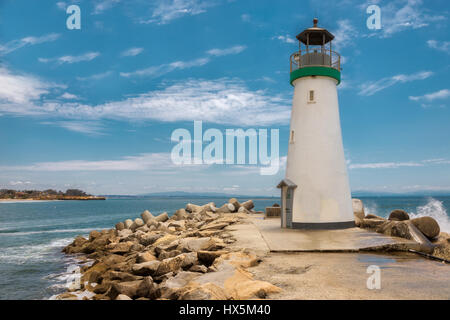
[[345, 240]]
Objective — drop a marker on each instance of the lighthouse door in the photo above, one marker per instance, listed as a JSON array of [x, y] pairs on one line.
[[289, 203]]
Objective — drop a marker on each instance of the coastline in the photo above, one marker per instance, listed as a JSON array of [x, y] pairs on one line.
[[48, 200]]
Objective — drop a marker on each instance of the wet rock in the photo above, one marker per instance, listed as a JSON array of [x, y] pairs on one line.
[[427, 225], [398, 215]]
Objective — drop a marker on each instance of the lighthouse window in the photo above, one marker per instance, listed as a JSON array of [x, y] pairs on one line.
[[311, 96]]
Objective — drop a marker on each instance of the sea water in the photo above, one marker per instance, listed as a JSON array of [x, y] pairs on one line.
[[32, 234]]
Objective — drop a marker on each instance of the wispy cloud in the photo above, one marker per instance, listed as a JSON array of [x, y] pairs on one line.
[[91, 128], [132, 52], [167, 10], [157, 71], [147, 162], [401, 15], [27, 41], [221, 101], [394, 165], [69, 96], [97, 76], [89, 56], [227, 51], [426, 99], [443, 46], [22, 89], [344, 35], [103, 5], [370, 88], [285, 39]]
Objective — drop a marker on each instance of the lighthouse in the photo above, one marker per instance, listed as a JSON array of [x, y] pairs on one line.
[[315, 193]]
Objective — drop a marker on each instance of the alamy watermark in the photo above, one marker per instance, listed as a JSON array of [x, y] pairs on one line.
[[374, 20], [229, 148], [374, 281]]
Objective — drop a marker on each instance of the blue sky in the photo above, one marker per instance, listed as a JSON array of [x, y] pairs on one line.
[[95, 108]]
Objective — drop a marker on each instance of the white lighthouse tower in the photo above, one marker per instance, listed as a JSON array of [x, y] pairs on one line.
[[315, 193]]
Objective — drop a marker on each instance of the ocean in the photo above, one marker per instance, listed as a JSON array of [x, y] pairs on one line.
[[32, 234]]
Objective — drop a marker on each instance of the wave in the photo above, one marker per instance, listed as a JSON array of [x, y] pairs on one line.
[[435, 209], [46, 252], [15, 232]]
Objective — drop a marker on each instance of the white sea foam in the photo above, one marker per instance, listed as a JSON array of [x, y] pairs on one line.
[[24, 233], [33, 253], [435, 209]]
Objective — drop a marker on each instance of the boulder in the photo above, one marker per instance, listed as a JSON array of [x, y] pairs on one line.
[[180, 214], [243, 210], [120, 226], [172, 287], [248, 204], [226, 208], [149, 238], [196, 244], [162, 217], [198, 268], [123, 297], [138, 222], [190, 259], [146, 268], [207, 291], [168, 254], [112, 275], [398, 215], [371, 223], [128, 288], [147, 289], [145, 257], [128, 223], [235, 204], [125, 233], [170, 265], [94, 235], [358, 211], [122, 247], [147, 216], [207, 257], [427, 225]]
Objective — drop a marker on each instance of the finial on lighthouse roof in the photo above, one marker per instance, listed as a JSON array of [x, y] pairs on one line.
[[315, 21]]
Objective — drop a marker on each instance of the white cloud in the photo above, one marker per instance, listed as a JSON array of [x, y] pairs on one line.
[[156, 71], [149, 161], [22, 89], [344, 35], [132, 52], [370, 88], [227, 51], [167, 10], [27, 41], [221, 101], [393, 165], [443, 46], [285, 39], [384, 165], [441, 94], [89, 56], [97, 76], [103, 5], [400, 15], [69, 96], [92, 128]]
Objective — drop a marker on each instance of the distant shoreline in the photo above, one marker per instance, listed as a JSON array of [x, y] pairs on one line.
[[59, 199]]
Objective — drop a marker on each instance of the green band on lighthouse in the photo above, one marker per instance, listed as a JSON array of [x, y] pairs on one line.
[[316, 71]]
